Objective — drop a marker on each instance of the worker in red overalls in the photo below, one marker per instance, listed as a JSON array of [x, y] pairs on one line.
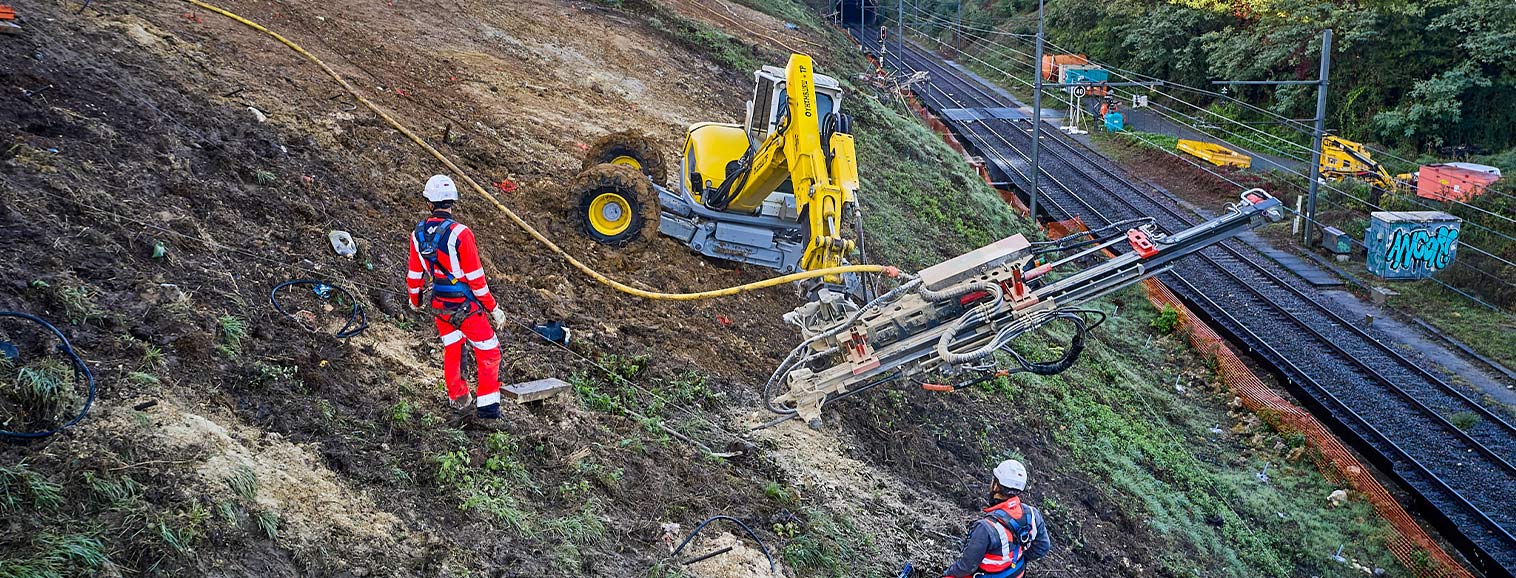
[[444, 250]]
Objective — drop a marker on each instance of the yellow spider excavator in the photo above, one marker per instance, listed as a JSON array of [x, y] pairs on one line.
[[1342, 158], [772, 191]]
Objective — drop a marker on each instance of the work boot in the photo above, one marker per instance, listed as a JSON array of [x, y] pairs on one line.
[[462, 402], [491, 411]]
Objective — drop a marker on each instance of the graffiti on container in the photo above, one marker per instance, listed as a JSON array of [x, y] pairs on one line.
[[1412, 248]]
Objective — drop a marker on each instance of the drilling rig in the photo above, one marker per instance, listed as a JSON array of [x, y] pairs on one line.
[[956, 321]]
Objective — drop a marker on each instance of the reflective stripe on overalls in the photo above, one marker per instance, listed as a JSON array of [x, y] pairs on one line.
[[1008, 560]]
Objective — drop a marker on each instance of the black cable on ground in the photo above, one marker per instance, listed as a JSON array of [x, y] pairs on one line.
[[357, 320], [751, 534], [80, 370]]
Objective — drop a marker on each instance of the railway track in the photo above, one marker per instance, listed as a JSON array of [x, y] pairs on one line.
[[1396, 408]]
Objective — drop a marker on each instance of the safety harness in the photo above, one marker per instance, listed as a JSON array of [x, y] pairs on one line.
[[430, 238], [1015, 538]]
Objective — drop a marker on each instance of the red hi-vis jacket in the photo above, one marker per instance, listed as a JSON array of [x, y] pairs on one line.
[[456, 256]]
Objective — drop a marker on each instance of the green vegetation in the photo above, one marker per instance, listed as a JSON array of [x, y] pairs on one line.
[[1464, 420], [1489, 332], [233, 330], [55, 556], [789, 11], [45, 389], [1167, 320], [700, 37], [1150, 445], [1150, 139], [265, 178], [828, 546], [920, 200], [22, 488]]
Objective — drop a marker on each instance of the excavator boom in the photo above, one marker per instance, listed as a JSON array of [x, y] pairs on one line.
[[821, 169]]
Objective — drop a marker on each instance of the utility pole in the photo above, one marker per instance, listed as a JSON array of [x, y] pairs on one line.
[[1321, 116], [1317, 135], [958, 32], [1036, 114], [900, 30]]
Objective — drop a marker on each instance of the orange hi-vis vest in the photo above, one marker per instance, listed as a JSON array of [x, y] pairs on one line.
[[1014, 527]]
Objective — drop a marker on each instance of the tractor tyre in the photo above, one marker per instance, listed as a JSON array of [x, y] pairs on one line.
[[629, 148], [615, 204]]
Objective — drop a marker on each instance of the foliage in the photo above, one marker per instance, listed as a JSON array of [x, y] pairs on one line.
[[1418, 75], [22, 488], [56, 556], [1167, 320], [45, 390]]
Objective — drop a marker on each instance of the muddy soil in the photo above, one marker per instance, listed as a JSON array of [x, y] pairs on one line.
[[180, 166]]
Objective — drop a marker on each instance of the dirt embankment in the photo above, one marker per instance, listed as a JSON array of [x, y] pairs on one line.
[[272, 451]]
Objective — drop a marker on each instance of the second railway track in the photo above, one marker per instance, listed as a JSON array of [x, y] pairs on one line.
[[1396, 407]]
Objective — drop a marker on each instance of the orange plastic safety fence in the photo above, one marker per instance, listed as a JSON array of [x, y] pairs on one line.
[[1410, 544]]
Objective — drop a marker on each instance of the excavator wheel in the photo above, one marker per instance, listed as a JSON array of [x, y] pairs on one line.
[[629, 148], [616, 204]]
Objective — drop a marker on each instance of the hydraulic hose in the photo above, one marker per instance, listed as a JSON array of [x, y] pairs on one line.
[[519, 222], [81, 370], [773, 569], [357, 319]]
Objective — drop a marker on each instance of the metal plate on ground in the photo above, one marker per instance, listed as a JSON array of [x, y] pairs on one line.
[[1007, 113], [535, 390], [1310, 272], [962, 114]]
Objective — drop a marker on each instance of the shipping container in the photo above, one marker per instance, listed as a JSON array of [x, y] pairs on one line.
[[1051, 62], [1452, 183], [1411, 244]]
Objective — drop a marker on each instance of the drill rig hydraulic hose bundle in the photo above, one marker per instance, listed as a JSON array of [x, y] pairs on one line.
[[953, 317]]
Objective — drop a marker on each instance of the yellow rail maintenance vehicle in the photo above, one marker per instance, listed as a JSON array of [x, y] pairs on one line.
[[1214, 153], [773, 191]]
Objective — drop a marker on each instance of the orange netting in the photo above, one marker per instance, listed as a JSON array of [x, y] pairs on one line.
[[1410, 543]]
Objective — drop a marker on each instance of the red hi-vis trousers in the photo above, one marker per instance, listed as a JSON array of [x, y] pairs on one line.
[[477, 331]]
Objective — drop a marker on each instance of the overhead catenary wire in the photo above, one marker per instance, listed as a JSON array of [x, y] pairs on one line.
[[1298, 125], [1278, 119], [1329, 187], [520, 222], [1332, 188], [1295, 172]]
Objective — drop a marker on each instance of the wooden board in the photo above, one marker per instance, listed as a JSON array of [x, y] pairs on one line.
[[535, 390]]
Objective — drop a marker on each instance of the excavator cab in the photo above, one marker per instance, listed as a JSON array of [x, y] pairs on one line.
[[772, 191], [769, 105]]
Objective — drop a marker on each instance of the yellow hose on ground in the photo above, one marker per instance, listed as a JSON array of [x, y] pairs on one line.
[[596, 275]]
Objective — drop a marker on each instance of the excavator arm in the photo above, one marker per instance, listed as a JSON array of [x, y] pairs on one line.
[[821, 168]]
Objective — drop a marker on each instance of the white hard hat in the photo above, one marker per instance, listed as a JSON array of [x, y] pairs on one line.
[[440, 188], [1011, 474]]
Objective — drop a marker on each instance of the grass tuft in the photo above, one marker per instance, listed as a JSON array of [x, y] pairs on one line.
[[21, 487], [244, 483]]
